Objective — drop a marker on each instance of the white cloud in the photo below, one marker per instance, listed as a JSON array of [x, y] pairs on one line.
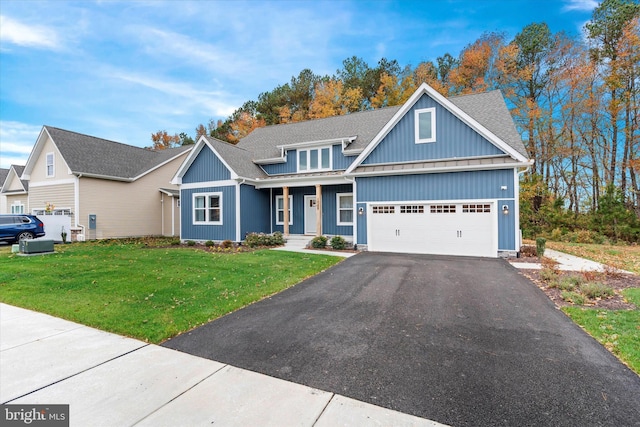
[[16, 142], [28, 35], [580, 5], [212, 101]]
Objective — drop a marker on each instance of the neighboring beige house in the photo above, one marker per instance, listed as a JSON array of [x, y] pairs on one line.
[[14, 192], [108, 189], [3, 199]]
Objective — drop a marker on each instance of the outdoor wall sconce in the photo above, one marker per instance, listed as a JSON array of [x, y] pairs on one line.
[[504, 187], [360, 211], [505, 209]]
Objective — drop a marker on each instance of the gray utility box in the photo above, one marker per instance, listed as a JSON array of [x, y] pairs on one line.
[[36, 246]]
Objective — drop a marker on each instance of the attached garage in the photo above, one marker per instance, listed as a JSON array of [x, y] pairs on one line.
[[444, 228]]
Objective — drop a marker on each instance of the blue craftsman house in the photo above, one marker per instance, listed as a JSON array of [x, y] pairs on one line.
[[435, 175]]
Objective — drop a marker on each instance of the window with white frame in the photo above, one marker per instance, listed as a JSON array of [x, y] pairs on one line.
[[425, 119], [50, 166], [207, 208], [17, 207], [344, 205], [314, 159], [280, 210]]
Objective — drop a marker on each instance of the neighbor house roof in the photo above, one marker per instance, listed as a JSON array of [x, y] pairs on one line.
[[92, 156], [14, 170], [97, 156], [3, 176]]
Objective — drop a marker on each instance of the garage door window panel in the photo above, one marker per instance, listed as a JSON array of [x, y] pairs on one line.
[[437, 209]]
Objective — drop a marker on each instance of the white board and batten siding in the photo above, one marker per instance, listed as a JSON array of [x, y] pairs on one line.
[[467, 228]]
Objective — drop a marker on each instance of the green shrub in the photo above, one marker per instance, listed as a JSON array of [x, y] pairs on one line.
[[572, 297], [191, 243], [209, 243], [596, 290], [569, 283], [319, 242], [548, 276], [175, 242], [261, 239], [540, 246], [338, 243], [226, 244]]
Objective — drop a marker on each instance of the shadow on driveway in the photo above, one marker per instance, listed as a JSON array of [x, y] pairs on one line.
[[461, 341]]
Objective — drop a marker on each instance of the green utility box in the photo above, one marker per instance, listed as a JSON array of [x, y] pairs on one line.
[[36, 246]]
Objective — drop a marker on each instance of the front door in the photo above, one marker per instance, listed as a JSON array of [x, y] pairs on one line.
[[310, 215]]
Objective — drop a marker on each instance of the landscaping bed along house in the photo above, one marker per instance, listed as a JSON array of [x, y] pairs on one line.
[[605, 303]]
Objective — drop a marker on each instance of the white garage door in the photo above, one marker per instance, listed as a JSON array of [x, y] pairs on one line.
[[434, 228]]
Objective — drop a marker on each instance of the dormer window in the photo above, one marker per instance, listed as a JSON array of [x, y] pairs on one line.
[[425, 125], [314, 159], [50, 168]]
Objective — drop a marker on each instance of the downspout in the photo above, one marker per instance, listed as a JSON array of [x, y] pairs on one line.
[[77, 206], [516, 207], [162, 213]]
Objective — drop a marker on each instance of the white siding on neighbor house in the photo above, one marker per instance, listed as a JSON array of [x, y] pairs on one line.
[[60, 195], [125, 209], [11, 199], [39, 172]]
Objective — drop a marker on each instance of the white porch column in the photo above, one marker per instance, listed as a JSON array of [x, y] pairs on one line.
[[318, 210], [285, 194]]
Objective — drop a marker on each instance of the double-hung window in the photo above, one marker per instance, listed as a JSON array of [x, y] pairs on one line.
[[50, 166], [425, 119], [344, 204], [280, 210], [207, 208], [314, 159]]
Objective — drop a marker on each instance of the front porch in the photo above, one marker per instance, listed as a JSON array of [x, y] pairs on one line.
[[313, 211]]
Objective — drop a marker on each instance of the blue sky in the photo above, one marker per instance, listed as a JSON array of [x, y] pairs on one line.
[[121, 70]]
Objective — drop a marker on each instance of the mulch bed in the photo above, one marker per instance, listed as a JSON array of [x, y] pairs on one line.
[[616, 281]]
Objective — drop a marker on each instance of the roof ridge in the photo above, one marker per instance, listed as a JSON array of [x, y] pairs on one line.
[[475, 93], [330, 117], [102, 139]]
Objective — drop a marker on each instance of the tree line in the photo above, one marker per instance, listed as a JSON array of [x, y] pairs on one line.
[[574, 99]]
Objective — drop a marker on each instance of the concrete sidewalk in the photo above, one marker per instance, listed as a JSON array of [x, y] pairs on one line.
[[567, 262], [116, 381]]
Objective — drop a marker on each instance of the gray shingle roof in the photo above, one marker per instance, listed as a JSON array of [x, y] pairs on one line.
[[238, 159], [97, 156], [490, 110], [365, 125], [3, 176]]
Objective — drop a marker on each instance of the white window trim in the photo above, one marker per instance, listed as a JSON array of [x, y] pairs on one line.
[[281, 197], [338, 195], [417, 113], [308, 155], [206, 208], [53, 164]]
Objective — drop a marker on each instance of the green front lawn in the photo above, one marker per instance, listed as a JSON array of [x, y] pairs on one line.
[[617, 330], [148, 293]]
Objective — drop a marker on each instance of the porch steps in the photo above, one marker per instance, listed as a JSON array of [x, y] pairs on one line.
[[297, 241]]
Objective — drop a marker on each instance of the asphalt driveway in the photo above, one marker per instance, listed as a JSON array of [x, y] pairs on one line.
[[461, 341]]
